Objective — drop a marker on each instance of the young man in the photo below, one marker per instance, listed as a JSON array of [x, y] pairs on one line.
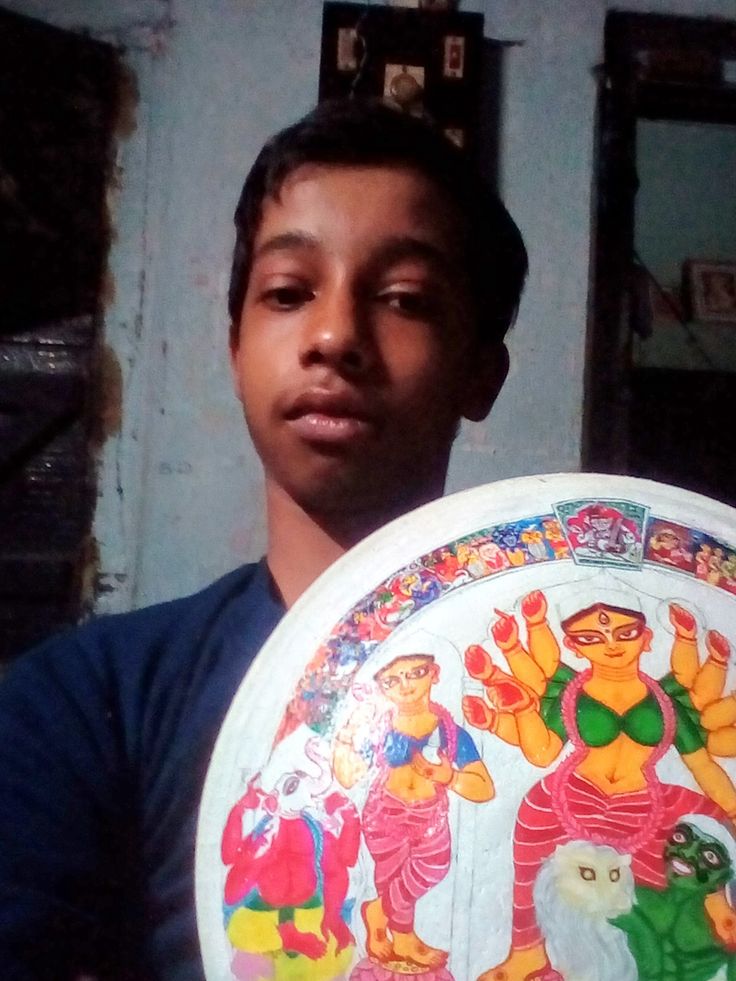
[[373, 280]]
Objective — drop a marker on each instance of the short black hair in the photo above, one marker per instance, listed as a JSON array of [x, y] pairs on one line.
[[367, 132]]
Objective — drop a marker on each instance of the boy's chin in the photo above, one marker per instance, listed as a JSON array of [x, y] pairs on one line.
[[363, 502], [366, 489]]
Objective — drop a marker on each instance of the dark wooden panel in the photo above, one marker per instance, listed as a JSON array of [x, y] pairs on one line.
[[682, 430], [58, 104], [663, 67]]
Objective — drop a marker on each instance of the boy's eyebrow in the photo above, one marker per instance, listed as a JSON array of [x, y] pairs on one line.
[[391, 250], [399, 247], [285, 241]]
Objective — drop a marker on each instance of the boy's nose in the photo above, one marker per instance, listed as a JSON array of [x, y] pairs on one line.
[[337, 335]]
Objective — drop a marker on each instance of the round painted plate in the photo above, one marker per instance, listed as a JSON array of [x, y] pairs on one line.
[[496, 739]]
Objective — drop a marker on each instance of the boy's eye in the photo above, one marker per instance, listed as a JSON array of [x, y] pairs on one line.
[[409, 303], [286, 297]]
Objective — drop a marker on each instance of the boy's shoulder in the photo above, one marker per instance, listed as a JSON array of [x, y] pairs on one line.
[[166, 619], [161, 639], [106, 733]]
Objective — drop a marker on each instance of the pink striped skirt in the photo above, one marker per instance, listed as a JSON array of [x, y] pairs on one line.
[[410, 845]]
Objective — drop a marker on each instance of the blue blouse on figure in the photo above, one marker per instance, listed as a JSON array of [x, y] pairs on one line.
[[399, 748]]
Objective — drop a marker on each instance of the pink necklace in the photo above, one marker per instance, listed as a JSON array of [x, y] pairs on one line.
[[572, 825]]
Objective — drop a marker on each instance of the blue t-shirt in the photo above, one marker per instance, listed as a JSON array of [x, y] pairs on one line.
[[105, 737]]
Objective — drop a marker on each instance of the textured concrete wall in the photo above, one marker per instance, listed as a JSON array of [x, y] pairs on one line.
[[180, 490]]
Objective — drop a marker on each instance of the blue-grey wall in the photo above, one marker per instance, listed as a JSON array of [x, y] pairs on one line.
[[180, 486]]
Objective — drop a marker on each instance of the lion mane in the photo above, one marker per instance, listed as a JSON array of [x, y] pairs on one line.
[[579, 888]]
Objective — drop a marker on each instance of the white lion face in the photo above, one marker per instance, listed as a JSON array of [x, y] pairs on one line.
[[596, 879]]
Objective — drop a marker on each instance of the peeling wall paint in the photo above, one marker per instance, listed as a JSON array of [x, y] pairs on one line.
[[180, 497]]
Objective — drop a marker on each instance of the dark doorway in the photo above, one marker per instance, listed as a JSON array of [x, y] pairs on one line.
[[58, 104], [660, 378]]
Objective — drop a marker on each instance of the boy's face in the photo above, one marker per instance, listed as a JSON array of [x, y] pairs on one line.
[[356, 356]]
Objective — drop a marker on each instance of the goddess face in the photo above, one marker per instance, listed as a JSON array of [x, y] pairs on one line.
[[608, 636], [408, 679]]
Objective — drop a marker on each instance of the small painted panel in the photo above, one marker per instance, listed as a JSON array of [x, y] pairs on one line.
[[494, 742]]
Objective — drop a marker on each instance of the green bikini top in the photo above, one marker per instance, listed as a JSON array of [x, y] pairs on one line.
[[599, 725]]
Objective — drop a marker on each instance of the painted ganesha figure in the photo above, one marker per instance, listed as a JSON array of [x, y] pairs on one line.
[[289, 846], [620, 722]]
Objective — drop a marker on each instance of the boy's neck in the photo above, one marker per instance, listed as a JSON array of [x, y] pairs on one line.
[[302, 545]]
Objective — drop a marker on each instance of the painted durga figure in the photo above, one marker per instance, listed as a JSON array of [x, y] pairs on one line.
[[620, 723]]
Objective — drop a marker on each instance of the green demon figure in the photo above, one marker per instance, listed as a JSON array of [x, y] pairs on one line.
[[668, 931]]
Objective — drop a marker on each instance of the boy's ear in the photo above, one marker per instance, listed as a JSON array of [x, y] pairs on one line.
[[487, 370], [234, 350]]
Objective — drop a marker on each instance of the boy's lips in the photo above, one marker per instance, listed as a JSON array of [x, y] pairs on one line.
[[330, 417]]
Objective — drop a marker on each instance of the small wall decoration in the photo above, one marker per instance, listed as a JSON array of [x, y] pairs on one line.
[[500, 743], [425, 61], [712, 290], [404, 86]]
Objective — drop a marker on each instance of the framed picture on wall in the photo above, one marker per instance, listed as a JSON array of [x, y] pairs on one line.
[[426, 61], [712, 290]]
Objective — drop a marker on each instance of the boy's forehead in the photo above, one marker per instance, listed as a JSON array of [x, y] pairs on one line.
[[361, 200], [400, 181]]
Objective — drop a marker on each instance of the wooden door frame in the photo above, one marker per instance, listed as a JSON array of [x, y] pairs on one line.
[[656, 67]]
